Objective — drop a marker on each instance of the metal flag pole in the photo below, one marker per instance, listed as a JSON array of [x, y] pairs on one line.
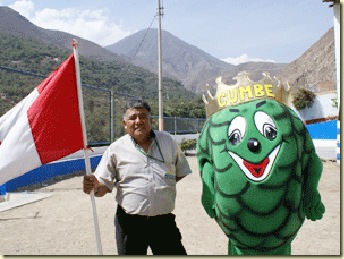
[[87, 158], [161, 118]]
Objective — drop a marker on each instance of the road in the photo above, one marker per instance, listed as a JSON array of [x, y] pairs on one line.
[[61, 223]]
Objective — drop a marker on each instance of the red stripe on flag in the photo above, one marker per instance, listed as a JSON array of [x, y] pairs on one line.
[[54, 116]]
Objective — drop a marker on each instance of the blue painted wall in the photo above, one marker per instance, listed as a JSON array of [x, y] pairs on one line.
[[48, 171], [323, 130]]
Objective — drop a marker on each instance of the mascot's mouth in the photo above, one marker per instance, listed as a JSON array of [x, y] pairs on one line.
[[256, 171]]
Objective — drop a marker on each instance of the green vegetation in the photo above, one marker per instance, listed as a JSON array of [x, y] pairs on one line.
[[38, 58], [188, 144], [303, 98]]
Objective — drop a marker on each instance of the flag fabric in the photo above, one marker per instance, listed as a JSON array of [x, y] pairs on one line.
[[44, 127]]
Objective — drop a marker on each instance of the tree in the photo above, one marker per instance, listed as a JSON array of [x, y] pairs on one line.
[[303, 98]]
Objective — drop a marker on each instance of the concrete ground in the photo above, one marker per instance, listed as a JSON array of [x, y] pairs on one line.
[[59, 220]]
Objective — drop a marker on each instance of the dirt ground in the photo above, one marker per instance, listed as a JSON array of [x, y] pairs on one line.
[[62, 224]]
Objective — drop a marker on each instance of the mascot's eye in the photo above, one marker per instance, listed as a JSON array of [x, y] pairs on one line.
[[269, 131], [265, 125], [236, 130], [235, 137]]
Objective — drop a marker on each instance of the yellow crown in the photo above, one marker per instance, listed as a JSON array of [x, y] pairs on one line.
[[245, 90]]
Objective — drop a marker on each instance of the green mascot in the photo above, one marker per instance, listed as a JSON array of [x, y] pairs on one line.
[[260, 173]]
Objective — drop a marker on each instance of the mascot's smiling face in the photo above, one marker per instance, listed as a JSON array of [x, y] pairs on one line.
[[254, 141]]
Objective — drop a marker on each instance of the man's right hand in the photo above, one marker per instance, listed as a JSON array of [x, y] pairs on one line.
[[91, 183]]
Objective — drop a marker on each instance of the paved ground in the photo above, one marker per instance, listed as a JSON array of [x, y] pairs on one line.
[[62, 223]]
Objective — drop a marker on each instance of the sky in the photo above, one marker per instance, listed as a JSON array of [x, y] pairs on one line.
[[232, 30]]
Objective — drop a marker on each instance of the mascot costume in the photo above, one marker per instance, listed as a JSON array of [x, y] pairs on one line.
[[259, 168]]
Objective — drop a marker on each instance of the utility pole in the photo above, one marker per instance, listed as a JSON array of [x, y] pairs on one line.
[[161, 114]]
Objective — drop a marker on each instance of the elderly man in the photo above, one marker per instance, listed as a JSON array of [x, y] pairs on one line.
[[144, 166]]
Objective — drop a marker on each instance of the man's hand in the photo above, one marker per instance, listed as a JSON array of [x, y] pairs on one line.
[[91, 183]]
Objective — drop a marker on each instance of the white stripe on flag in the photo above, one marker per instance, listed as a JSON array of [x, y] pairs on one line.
[[8, 120], [19, 150]]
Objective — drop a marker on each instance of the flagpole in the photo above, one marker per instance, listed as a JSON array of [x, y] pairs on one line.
[[87, 158]]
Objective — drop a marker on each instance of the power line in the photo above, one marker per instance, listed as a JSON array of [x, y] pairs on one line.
[[144, 37]]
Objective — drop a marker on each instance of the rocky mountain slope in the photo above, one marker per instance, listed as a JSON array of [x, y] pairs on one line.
[[192, 66], [315, 67], [195, 68]]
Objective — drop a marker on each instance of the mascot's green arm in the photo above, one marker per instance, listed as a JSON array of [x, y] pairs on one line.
[[206, 170], [208, 189], [314, 208]]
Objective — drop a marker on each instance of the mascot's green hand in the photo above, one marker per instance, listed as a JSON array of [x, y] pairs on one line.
[[208, 189], [316, 210], [313, 206]]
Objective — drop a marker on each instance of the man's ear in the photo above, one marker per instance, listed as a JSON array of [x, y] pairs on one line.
[[124, 123]]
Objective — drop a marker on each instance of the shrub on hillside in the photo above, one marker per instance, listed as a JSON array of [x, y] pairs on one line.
[[303, 98]]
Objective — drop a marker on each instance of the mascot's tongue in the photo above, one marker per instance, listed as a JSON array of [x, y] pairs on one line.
[[257, 170]]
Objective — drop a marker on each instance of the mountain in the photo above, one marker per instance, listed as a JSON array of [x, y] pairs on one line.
[[316, 66], [180, 60], [196, 68], [187, 63], [11, 22]]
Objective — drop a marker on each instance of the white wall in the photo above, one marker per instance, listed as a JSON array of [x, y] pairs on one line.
[[321, 108]]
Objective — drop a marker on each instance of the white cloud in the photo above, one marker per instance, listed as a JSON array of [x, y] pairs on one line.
[[245, 58], [24, 7], [93, 25]]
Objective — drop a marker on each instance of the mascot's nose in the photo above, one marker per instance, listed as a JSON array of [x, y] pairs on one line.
[[253, 145]]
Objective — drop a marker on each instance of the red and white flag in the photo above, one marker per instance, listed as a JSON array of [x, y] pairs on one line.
[[45, 126]]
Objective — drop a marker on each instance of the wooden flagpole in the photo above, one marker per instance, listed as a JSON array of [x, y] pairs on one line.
[[87, 158]]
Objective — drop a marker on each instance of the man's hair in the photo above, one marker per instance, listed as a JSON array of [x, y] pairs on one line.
[[136, 104]]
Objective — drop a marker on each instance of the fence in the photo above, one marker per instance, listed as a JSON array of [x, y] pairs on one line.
[[178, 126]]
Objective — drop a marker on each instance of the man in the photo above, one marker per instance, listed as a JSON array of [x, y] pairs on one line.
[[144, 166]]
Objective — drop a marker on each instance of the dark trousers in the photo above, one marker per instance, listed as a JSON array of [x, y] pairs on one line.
[[134, 233]]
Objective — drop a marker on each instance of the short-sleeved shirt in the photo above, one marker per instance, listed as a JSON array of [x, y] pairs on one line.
[[145, 182]]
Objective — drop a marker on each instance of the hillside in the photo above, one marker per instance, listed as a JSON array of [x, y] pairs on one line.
[[38, 58], [187, 63], [25, 62], [28, 47], [315, 67], [12, 23]]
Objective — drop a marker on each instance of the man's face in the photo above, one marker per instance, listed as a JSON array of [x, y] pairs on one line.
[[138, 123]]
